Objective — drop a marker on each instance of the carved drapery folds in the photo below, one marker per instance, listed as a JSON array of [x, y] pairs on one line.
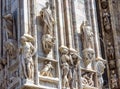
[[70, 61], [27, 51], [9, 25], [48, 23]]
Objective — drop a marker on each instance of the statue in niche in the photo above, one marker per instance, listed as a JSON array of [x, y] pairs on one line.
[[47, 18], [88, 55], [47, 42], [11, 48], [66, 62], [100, 66], [110, 50], [47, 70], [9, 25], [87, 35], [27, 51], [73, 68]]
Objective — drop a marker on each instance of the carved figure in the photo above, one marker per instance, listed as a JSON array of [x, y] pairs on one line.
[[100, 66], [87, 35], [65, 59], [27, 51], [46, 71], [46, 16], [88, 55], [11, 48], [73, 68], [47, 42], [110, 50], [106, 20], [9, 25], [65, 69]]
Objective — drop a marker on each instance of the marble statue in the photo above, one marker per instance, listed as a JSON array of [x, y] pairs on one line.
[[9, 25], [47, 42], [27, 51], [47, 70], [47, 18], [73, 67], [87, 35], [100, 66], [65, 59], [88, 56]]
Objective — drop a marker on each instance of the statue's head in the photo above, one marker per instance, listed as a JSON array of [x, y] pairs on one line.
[[23, 39], [64, 50], [47, 4]]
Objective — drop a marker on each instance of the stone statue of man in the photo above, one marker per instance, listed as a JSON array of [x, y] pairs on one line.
[[87, 35], [27, 51], [47, 18]]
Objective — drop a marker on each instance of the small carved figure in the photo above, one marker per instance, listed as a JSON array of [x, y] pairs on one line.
[[3, 63], [88, 55], [47, 70], [11, 48], [100, 66], [66, 61], [110, 51], [47, 18], [27, 51], [47, 42], [106, 20], [9, 25], [65, 69], [87, 35], [73, 67]]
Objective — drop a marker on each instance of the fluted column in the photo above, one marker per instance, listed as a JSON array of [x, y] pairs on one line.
[[60, 21], [67, 23], [36, 78]]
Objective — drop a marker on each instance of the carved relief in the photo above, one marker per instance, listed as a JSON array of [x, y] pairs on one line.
[[9, 25], [27, 51], [47, 42], [47, 70], [87, 79], [11, 49]]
